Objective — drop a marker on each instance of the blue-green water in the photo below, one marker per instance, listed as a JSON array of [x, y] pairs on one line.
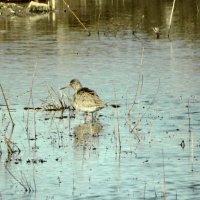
[[67, 161]]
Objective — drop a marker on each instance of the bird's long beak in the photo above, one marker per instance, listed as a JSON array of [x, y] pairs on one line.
[[66, 86]]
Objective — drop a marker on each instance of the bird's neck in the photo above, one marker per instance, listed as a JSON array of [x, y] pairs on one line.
[[78, 87]]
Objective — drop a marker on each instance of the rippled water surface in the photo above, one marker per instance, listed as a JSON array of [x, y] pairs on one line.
[[148, 148]]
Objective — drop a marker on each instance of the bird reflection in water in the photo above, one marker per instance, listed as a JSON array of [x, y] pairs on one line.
[[84, 132]]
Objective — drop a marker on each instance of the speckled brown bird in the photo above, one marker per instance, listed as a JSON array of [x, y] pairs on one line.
[[85, 99]]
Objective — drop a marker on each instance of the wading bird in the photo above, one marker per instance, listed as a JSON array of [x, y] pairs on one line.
[[85, 99]]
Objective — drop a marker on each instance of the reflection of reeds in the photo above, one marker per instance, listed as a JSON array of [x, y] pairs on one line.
[[7, 139], [171, 15], [117, 136], [164, 181], [23, 182], [29, 101], [157, 32], [98, 32], [12, 148], [13, 124], [191, 136], [143, 115], [72, 12], [189, 119], [137, 96], [118, 131]]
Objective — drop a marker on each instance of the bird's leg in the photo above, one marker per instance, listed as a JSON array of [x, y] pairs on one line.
[[92, 118], [85, 116]]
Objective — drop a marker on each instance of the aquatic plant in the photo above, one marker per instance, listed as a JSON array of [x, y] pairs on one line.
[[55, 101]]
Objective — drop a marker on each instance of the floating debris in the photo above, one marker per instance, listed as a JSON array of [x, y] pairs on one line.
[[182, 144]]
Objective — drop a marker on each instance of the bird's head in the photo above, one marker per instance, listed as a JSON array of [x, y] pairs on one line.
[[74, 83]]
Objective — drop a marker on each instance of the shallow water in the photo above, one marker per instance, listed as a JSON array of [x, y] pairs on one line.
[[73, 160]]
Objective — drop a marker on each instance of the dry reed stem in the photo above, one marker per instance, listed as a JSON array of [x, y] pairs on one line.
[[9, 146], [153, 100], [71, 11], [145, 187], [136, 94], [29, 100], [164, 180], [171, 15], [35, 130], [34, 182], [26, 183], [53, 101], [189, 120], [13, 124], [138, 84], [56, 103], [138, 90], [139, 101], [26, 187], [191, 137], [118, 130], [98, 24]]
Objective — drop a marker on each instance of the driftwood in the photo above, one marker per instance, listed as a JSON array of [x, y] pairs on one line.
[[38, 7]]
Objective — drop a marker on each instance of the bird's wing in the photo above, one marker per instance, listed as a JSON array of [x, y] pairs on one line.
[[88, 96]]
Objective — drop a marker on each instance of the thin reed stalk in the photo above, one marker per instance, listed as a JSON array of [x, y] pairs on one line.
[[24, 183], [135, 97], [197, 2], [34, 182], [29, 100], [189, 120], [54, 101], [11, 147], [138, 84], [164, 179], [170, 20], [118, 130], [72, 12], [98, 32], [13, 124], [153, 100]]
